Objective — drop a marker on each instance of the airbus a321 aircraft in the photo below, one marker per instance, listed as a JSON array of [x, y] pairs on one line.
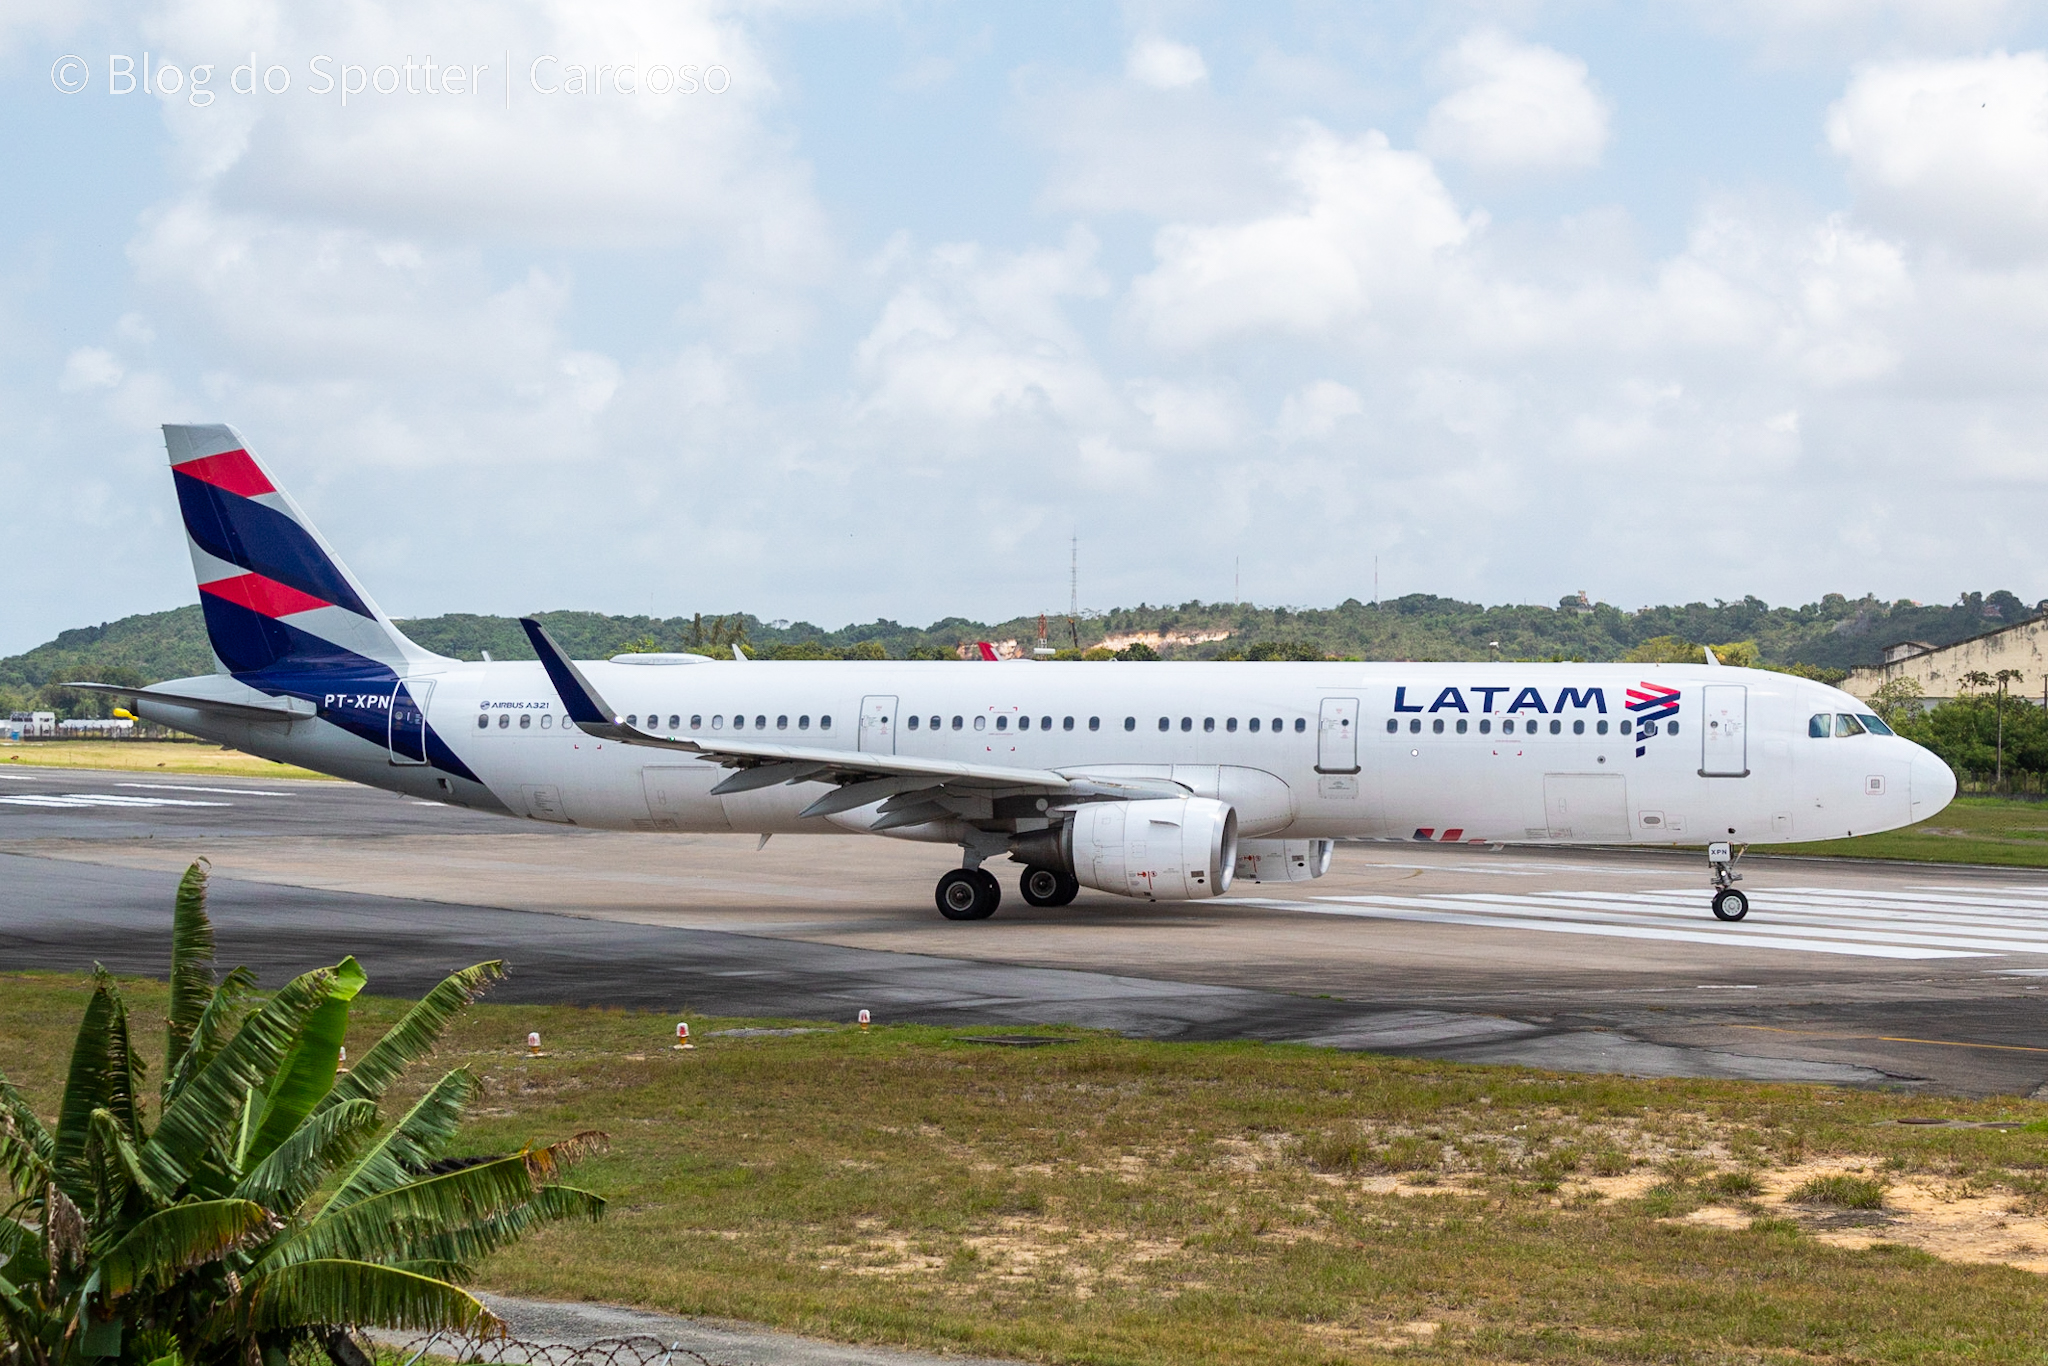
[[1163, 783]]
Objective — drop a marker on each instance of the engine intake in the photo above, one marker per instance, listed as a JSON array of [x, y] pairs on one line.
[[1166, 849]]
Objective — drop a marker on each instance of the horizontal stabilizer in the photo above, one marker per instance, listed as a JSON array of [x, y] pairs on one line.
[[267, 709]]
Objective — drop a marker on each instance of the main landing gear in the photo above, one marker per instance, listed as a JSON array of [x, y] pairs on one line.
[[969, 894], [1729, 904], [1048, 886], [974, 893]]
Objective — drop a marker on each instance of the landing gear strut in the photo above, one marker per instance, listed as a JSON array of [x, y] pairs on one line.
[[1729, 904], [1048, 886], [969, 894]]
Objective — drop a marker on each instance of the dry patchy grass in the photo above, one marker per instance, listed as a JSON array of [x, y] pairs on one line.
[[1115, 1201], [148, 756]]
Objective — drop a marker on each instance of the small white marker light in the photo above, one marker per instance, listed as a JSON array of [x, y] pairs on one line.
[[864, 1019], [341, 1062], [533, 1044], [683, 1035]]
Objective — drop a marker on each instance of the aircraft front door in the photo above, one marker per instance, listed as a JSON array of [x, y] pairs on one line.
[[878, 725], [1724, 731], [1337, 736], [407, 733]]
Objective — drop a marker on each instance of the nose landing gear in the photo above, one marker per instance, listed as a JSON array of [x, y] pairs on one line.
[[1729, 904]]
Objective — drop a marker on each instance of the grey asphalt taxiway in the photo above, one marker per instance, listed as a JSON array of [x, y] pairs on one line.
[[1926, 979]]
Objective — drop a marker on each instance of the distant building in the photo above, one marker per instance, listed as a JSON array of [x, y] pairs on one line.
[[1939, 670], [30, 725], [105, 727]]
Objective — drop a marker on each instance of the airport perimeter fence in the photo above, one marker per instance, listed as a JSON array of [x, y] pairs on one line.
[[444, 1349]]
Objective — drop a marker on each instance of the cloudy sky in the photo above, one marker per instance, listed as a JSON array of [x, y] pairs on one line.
[[833, 311]]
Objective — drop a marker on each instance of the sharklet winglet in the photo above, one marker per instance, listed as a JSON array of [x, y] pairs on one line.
[[579, 698]]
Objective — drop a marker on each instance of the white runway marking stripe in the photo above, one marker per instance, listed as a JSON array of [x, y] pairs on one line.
[[187, 787], [1922, 922], [80, 799]]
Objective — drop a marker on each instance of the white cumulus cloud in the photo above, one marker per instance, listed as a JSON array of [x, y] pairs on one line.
[[1165, 65], [1367, 221], [1955, 150], [1517, 107]]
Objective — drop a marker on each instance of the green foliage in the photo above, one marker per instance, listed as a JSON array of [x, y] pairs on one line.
[[1819, 640], [1897, 700], [1842, 1191], [1137, 650], [201, 1242], [1965, 733]]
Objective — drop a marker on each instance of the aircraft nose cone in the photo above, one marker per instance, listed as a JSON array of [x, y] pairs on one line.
[[1934, 786]]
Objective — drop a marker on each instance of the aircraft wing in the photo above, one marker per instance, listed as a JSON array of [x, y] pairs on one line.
[[255, 706], [906, 785]]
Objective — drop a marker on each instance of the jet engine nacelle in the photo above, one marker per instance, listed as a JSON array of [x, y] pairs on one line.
[[1166, 849], [1283, 860]]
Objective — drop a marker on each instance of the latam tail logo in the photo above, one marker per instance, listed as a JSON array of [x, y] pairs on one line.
[[1650, 703]]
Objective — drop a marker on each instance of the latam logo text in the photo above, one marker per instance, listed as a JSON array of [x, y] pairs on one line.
[[1528, 699]]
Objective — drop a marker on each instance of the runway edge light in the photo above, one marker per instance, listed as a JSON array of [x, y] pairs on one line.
[[683, 1035], [864, 1018], [533, 1044]]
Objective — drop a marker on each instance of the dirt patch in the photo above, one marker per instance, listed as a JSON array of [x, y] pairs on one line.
[[1944, 1218]]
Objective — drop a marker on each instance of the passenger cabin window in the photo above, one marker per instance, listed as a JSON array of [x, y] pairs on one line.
[[1436, 726], [1068, 724], [697, 722], [526, 720], [1045, 723], [1600, 727], [1485, 726], [1023, 723], [1278, 725], [739, 723], [1671, 728], [981, 723], [824, 723], [1625, 724], [1461, 725], [1231, 724], [483, 722], [547, 721], [1300, 725], [1208, 725], [1556, 727], [1002, 723], [1095, 723], [1415, 725], [1187, 723], [1846, 724], [760, 723], [913, 723], [803, 723], [675, 722], [956, 723], [632, 719], [1130, 723], [1165, 724], [1578, 727], [1820, 725], [1254, 724], [718, 723], [782, 723]]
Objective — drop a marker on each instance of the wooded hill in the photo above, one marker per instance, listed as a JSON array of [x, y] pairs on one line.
[[1834, 633]]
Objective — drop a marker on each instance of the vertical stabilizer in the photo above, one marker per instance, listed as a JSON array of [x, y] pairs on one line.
[[277, 599]]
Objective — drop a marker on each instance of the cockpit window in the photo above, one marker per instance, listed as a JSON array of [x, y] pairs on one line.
[[1846, 724], [1873, 725], [1820, 726]]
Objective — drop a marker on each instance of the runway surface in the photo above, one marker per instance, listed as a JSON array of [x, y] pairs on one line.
[[1917, 977]]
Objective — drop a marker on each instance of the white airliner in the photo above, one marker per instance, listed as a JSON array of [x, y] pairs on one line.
[[1163, 782]]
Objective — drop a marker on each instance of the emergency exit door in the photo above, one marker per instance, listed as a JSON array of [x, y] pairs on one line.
[[878, 725], [1337, 736], [1724, 731]]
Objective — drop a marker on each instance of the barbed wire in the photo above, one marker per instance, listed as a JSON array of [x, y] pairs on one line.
[[637, 1350]]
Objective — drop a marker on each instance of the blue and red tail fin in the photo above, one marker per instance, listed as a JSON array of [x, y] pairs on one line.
[[277, 599]]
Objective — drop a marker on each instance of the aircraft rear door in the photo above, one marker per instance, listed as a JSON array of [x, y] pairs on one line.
[[406, 734], [1337, 736], [878, 725], [1724, 731]]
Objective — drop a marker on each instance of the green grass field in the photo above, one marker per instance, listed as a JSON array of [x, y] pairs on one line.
[[1993, 830], [1102, 1200], [150, 756]]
